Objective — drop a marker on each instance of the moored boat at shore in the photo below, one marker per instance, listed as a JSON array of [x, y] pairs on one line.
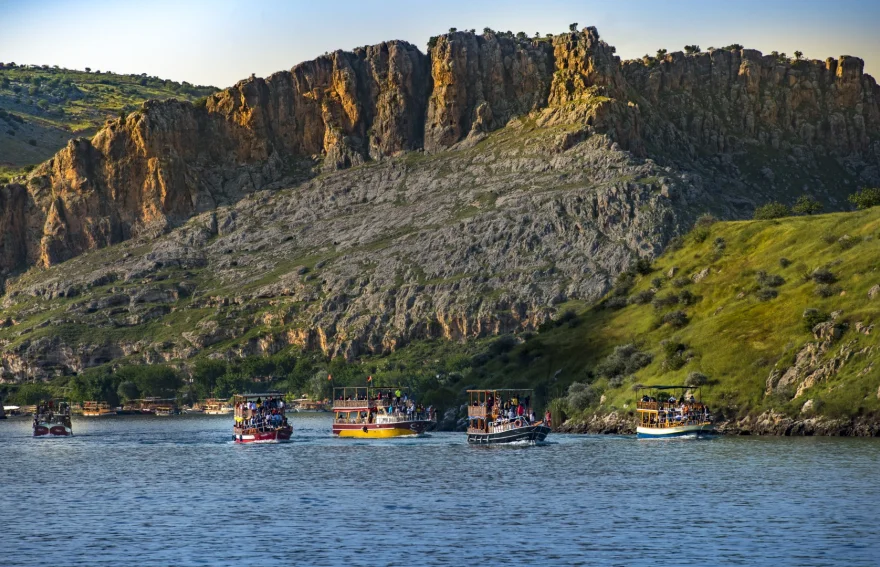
[[260, 418], [377, 413], [214, 406], [503, 416], [52, 419], [662, 415], [97, 409]]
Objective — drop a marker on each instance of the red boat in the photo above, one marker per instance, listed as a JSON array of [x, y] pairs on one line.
[[52, 419], [260, 418]]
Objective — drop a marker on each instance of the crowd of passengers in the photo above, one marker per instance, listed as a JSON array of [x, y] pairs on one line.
[[260, 414], [679, 410], [46, 412], [516, 410], [394, 403]]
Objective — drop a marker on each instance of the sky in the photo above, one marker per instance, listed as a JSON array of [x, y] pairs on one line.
[[218, 42]]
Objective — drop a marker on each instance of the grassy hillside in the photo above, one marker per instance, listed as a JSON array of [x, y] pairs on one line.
[[762, 287], [41, 107]]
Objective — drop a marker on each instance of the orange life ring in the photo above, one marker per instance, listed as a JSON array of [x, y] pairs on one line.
[[518, 422]]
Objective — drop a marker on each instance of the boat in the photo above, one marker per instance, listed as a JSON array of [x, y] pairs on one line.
[[307, 405], [503, 416], [662, 415], [195, 409], [375, 413], [259, 418], [214, 406], [52, 419], [164, 410], [97, 409]]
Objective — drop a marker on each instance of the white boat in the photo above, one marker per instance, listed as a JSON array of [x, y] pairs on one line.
[[663, 416], [217, 407]]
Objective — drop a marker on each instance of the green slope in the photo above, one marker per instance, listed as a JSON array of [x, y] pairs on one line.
[[41, 107], [737, 332]]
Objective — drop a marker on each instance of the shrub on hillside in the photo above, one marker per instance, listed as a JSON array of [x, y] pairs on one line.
[[616, 302], [623, 284], [769, 280], [676, 319], [772, 210], [806, 205], [667, 300], [625, 359], [702, 227], [829, 238], [675, 244], [866, 198], [766, 293], [823, 276], [502, 344], [685, 297], [642, 266], [657, 283], [696, 379], [784, 262], [581, 396], [846, 241], [682, 281], [642, 297], [813, 317], [825, 290]]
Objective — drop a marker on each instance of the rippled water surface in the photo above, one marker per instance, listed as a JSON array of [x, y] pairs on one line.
[[175, 491]]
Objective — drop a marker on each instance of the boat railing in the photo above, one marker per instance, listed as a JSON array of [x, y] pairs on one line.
[[477, 411], [352, 403], [667, 406]]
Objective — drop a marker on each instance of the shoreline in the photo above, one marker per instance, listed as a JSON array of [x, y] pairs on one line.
[[768, 423]]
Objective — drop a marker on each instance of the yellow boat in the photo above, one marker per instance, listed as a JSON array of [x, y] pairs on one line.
[[97, 409], [377, 413]]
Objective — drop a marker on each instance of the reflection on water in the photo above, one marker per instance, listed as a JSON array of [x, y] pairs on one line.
[[176, 491]]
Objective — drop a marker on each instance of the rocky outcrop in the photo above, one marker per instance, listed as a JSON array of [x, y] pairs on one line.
[[171, 160]]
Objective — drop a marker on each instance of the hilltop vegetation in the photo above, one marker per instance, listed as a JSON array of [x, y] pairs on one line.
[[41, 107]]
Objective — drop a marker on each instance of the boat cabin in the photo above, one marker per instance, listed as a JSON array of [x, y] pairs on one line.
[[671, 406], [494, 411], [364, 405]]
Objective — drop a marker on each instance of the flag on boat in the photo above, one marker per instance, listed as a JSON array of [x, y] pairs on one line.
[[329, 377], [369, 378]]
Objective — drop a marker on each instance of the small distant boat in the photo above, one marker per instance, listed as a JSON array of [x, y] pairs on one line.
[[375, 413], [259, 418], [52, 419], [503, 416], [662, 415], [306, 405], [165, 410], [97, 409], [214, 406], [195, 410]]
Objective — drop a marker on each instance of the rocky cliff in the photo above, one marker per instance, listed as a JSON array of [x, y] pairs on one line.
[[485, 183]]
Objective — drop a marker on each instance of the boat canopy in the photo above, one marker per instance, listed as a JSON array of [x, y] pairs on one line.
[[250, 396]]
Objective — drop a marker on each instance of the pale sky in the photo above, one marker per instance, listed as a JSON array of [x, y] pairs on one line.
[[219, 42]]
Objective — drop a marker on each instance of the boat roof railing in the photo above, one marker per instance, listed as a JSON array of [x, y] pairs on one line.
[[251, 396], [640, 387], [516, 390]]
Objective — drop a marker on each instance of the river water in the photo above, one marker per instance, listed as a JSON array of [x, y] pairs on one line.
[[147, 490]]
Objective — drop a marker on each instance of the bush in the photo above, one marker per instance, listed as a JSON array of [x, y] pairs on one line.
[[823, 276], [769, 280], [772, 210], [825, 290], [685, 297], [642, 266], [846, 241], [660, 302], [502, 344], [695, 380], [625, 359], [624, 283], [813, 317], [581, 396], [866, 198], [784, 262], [675, 244], [615, 302], [657, 283], [682, 281], [642, 297], [766, 293], [676, 319], [702, 227], [806, 205], [829, 238]]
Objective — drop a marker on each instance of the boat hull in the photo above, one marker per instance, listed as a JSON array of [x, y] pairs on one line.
[[672, 432], [281, 435], [528, 434], [52, 430], [380, 430]]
